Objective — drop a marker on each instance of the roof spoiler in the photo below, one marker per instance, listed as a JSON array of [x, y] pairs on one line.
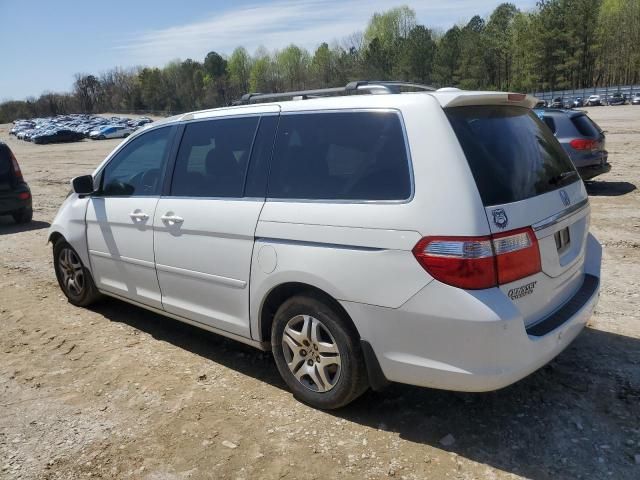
[[459, 98]]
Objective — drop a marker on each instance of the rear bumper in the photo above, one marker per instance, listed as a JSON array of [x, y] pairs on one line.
[[472, 341], [10, 202], [592, 171]]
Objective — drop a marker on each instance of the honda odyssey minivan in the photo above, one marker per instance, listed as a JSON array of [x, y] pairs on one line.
[[434, 238]]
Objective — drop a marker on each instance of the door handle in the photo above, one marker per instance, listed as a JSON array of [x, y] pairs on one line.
[[138, 216], [170, 218]]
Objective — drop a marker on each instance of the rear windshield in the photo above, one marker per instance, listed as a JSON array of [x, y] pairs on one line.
[[5, 167], [586, 126], [512, 154]]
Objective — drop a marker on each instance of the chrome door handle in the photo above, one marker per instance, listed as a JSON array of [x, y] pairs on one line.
[[138, 216], [171, 218]]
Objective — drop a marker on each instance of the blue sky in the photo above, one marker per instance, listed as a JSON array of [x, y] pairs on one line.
[[46, 42]]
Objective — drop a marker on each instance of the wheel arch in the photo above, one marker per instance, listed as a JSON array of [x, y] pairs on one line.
[[282, 292], [54, 237]]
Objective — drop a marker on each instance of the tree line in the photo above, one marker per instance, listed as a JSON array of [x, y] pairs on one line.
[[561, 44]]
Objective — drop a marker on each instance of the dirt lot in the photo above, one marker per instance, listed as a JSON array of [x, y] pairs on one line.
[[117, 392]]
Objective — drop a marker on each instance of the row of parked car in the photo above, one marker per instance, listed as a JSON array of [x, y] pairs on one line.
[[617, 98], [75, 127]]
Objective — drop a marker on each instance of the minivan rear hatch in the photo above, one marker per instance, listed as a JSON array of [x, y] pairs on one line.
[[526, 180]]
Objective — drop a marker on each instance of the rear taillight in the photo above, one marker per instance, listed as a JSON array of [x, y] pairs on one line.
[[583, 144], [517, 254], [16, 168], [24, 195], [480, 262]]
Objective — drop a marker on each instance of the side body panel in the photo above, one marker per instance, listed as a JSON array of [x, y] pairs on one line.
[[120, 243], [203, 262], [70, 223], [361, 251]]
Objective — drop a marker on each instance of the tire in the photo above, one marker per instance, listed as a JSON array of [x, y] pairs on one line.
[[340, 375], [74, 279], [24, 215]]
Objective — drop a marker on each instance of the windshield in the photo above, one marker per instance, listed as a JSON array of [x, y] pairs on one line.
[[512, 154]]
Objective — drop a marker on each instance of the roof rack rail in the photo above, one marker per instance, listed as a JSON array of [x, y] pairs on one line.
[[352, 88]]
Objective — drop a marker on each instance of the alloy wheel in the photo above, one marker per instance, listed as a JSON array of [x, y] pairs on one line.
[[71, 271], [311, 353]]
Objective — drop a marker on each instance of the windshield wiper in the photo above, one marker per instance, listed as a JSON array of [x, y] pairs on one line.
[[562, 177]]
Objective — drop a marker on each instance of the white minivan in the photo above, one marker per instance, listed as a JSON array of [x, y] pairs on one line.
[[434, 238]]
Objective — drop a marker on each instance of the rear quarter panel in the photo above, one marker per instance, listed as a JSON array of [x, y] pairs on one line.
[[361, 252]]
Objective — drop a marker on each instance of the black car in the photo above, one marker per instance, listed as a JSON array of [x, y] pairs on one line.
[[617, 99], [57, 136], [557, 103], [15, 196], [578, 102]]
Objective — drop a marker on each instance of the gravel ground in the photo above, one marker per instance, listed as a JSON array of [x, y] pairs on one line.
[[117, 392]]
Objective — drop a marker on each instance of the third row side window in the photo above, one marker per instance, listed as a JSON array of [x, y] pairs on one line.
[[340, 156]]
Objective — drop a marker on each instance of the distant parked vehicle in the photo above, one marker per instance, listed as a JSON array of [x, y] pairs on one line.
[[15, 196], [541, 104], [57, 128], [56, 136], [577, 102], [594, 100], [617, 98], [111, 131], [635, 100], [581, 138], [557, 103]]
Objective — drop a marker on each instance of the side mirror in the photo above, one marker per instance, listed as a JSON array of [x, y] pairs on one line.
[[83, 185]]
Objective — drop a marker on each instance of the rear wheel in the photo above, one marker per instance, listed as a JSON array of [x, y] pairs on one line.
[[317, 353], [24, 215], [74, 279]]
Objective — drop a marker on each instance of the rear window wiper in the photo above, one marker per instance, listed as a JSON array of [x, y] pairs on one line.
[[562, 177]]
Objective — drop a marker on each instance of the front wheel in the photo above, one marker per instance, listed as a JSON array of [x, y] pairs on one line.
[[74, 279], [317, 353]]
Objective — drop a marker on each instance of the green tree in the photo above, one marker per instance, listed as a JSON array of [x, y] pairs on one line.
[[239, 68], [293, 67], [472, 62], [415, 55], [447, 58]]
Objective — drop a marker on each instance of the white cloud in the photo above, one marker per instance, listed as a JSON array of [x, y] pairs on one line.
[[277, 24]]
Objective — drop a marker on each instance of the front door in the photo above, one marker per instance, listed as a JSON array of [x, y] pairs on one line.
[[120, 218], [204, 228]]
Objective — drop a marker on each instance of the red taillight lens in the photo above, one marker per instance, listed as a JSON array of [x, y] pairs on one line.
[[24, 195], [517, 254], [480, 262], [16, 168], [583, 144], [465, 262]]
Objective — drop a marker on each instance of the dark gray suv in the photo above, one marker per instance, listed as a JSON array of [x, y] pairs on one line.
[[15, 196], [581, 138]]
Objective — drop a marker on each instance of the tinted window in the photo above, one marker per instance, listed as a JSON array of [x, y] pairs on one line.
[[512, 155], [341, 156], [586, 126], [256, 184], [6, 169], [213, 157], [137, 168]]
